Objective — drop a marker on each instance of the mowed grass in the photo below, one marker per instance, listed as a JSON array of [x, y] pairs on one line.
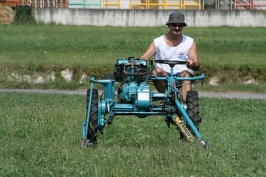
[[231, 55], [93, 46], [40, 136]]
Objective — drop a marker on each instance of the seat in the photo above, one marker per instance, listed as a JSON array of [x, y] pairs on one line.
[[173, 4], [85, 3], [138, 4], [111, 3], [191, 4], [245, 4], [156, 4]]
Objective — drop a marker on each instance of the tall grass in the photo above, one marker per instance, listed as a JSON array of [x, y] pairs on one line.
[[91, 45], [40, 136]]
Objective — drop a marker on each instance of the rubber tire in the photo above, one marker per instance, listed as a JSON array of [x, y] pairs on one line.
[[192, 110], [93, 129], [193, 107]]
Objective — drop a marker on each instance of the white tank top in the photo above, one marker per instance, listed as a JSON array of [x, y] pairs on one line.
[[180, 52]]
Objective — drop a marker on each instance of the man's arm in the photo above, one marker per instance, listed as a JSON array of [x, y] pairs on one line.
[[149, 52], [193, 58]]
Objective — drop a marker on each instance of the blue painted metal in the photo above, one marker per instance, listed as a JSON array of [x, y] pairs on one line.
[[108, 88], [92, 80], [188, 120], [84, 135], [137, 98], [85, 3]]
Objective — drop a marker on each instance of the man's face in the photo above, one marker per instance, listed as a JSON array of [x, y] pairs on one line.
[[176, 28]]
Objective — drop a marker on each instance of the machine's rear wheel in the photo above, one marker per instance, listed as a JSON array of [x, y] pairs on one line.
[[193, 107], [93, 123]]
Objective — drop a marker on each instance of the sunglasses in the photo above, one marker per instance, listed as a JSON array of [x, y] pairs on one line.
[[175, 25]]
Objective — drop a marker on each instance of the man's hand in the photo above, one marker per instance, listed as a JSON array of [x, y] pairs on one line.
[[190, 63]]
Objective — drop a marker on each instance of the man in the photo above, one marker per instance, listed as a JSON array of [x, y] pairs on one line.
[[174, 46]]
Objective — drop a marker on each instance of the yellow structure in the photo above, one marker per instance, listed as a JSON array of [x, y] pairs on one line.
[[156, 4], [191, 4], [173, 4], [165, 4], [112, 3], [138, 4]]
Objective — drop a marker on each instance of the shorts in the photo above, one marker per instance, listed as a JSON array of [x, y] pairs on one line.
[[177, 74]]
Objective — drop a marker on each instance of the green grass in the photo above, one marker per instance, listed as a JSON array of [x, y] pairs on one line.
[[91, 45], [231, 87], [232, 54], [40, 136]]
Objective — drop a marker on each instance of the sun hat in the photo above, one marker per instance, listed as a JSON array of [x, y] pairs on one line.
[[176, 17]]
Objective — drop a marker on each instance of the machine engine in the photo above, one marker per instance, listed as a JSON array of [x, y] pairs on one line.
[[133, 89]]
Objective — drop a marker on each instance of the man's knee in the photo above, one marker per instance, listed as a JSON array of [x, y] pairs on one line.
[[185, 74], [159, 72]]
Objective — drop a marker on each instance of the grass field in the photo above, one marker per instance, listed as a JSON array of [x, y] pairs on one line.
[[40, 136], [92, 46], [231, 54]]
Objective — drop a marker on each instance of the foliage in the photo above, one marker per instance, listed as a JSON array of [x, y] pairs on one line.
[[24, 15], [40, 136]]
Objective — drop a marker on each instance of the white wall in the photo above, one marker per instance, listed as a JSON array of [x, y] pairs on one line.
[[126, 17]]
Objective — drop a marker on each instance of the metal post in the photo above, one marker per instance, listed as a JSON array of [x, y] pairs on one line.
[[202, 4]]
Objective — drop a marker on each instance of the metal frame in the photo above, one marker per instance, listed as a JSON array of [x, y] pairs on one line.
[[86, 3]]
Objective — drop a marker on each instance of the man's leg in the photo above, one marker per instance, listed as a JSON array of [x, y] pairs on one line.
[[159, 85], [186, 85]]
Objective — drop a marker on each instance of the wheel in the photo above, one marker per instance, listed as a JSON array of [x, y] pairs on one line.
[[93, 123], [192, 110], [193, 107]]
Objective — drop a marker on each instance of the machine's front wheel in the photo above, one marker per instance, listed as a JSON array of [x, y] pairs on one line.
[[193, 107], [93, 123], [192, 102]]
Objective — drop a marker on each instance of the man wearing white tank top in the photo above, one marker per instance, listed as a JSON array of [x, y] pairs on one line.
[[174, 46]]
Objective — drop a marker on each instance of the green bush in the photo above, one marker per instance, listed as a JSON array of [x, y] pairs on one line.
[[24, 15]]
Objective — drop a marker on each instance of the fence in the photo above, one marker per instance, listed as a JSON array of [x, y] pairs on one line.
[[36, 3], [170, 4], [142, 4]]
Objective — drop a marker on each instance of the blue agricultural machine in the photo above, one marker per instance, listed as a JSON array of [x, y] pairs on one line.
[[135, 97]]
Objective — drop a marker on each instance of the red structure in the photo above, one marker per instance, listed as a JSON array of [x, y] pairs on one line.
[[248, 4]]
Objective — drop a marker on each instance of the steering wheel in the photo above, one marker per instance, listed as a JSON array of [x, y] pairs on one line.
[[139, 72], [171, 63]]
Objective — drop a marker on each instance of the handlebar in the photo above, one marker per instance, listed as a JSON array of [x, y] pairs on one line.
[[172, 63]]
